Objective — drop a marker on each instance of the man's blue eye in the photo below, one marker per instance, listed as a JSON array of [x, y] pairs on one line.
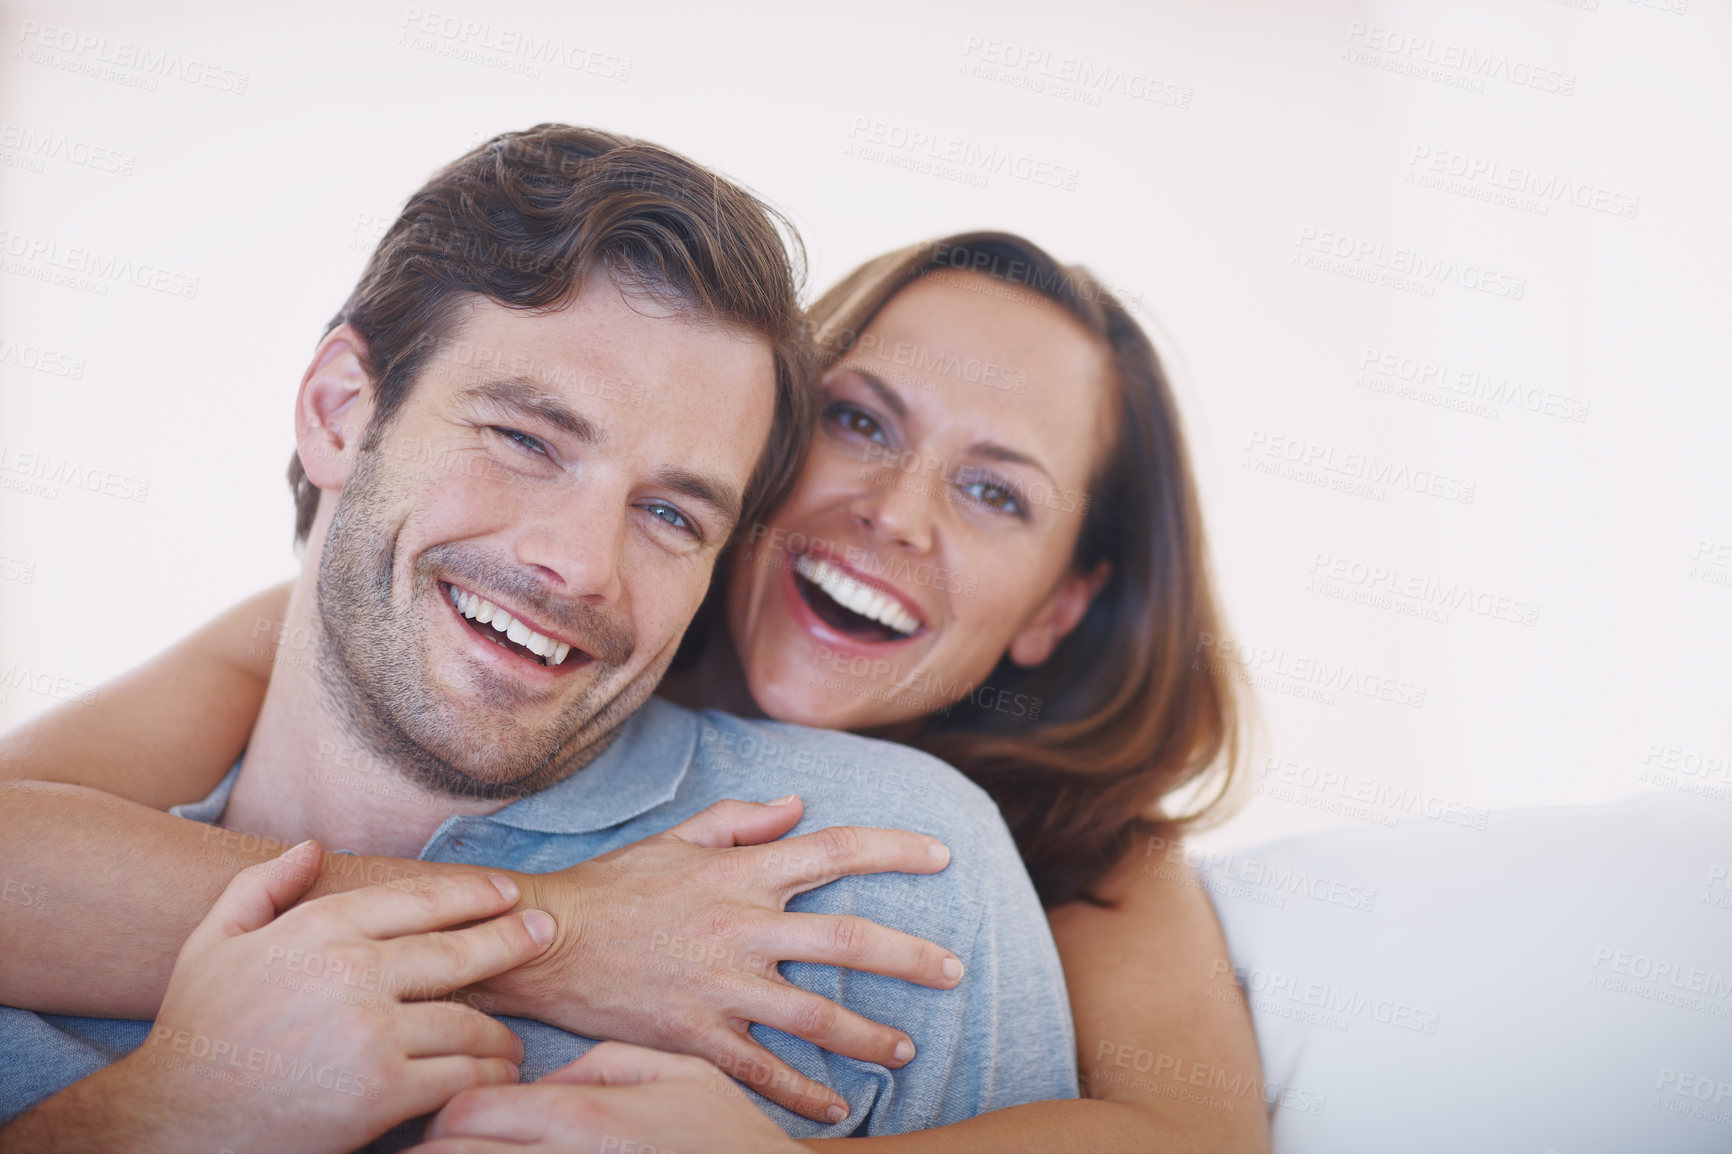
[[669, 514], [524, 439]]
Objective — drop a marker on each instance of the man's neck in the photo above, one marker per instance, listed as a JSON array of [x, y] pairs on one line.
[[305, 775], [715, 680]]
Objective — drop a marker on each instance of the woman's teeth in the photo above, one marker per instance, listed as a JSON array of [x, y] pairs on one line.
[[855, 597], [485, 612]]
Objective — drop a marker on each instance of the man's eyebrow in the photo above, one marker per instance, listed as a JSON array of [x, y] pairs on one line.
[[718, 495], [530, 397]]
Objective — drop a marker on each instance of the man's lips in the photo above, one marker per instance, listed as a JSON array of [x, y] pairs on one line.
[[511, 632]]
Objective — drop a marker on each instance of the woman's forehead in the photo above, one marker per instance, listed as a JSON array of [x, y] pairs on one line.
[[994, 357]]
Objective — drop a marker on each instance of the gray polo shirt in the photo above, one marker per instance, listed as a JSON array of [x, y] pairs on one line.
[[1003, 1037]]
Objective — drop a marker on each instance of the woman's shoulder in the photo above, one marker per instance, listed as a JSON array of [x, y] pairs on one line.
[[1149, 894]]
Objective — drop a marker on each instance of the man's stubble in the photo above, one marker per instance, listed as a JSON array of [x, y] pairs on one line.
[[376, 678]]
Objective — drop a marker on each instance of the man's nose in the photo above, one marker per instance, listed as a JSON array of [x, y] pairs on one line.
[[577, 545]]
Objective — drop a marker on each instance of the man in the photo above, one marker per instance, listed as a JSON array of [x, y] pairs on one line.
[[572, 368]]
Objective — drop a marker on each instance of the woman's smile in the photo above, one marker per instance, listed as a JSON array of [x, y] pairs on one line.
[[914, 549]]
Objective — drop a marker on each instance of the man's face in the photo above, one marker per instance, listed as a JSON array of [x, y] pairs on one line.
[[575, 471]]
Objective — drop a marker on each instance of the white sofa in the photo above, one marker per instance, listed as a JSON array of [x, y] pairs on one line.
[[1558, 980]]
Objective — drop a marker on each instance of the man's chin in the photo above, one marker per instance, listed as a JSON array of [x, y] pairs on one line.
[[478, 736], [454, 774], [499, 758]]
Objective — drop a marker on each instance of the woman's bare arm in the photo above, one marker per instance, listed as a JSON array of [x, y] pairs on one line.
[[1168, 1058], [103, 893], [100, 893], [165, 732]]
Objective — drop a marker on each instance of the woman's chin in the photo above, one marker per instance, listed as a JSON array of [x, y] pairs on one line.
[[819, 706]]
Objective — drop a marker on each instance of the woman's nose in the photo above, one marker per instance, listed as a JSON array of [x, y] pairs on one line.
[[898, 510]]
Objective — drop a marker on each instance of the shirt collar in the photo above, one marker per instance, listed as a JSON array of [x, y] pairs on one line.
[[641, 769], [210, 810]]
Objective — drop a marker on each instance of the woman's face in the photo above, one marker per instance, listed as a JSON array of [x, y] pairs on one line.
[[932, 530]]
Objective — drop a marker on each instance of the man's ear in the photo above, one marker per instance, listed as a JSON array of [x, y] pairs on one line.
[[1062, 612], [333, 407]]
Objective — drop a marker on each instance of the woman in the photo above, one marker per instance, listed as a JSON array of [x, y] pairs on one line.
[[995, 553]]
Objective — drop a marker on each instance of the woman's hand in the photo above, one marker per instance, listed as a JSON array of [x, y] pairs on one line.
[[673, 942]]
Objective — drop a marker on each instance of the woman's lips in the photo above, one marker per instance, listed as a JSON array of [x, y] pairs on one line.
[[828, 632], [826, 582]]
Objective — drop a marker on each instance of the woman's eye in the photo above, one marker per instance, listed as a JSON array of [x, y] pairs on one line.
[[524, 439], [995, 496], [857, 421]]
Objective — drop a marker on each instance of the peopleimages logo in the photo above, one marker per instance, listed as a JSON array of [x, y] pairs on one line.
[[1302, 676], [880, 140], [1066, 77], [1427, 58], [122, 61], [1364, 798], [44, 471], [184, 1049], [1390, 587], [37, 148], [1362, 258], [1520, 181], [40, 359], [1366, 474], [503, 47], [1469, 390], [42, 258]]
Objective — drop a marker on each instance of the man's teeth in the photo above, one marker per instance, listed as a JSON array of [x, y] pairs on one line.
[[487, 613], [851, 594]]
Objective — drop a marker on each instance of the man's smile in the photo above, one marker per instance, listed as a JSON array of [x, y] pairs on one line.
[[510, 632]]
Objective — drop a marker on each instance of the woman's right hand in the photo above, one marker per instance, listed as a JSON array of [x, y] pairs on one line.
[[673, 942]]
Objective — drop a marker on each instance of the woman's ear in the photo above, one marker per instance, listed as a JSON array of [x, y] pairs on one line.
[[1062, 612], [332, 408]]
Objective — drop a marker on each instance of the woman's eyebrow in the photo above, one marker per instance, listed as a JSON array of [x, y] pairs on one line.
[[994, 451], [991, 450], [891, 398]]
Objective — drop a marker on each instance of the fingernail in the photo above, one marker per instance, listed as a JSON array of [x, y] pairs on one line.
[[783, 800], [952, 970], [904, 1051], [940, 852], [835, 1114], [540, 925], [506, 887]]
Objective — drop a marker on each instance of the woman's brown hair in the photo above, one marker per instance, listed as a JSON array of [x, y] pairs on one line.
[[1132, 707]]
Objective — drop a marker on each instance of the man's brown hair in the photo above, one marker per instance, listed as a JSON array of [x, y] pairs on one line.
[[523, 219]]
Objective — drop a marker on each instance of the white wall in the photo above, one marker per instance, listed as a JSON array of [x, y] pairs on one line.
[[1266, 135]]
